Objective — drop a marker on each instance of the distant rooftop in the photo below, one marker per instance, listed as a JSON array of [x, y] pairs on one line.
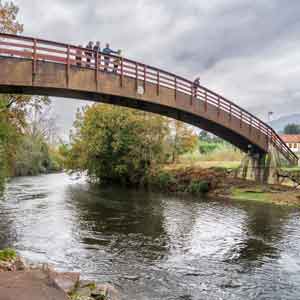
[[290, 138]]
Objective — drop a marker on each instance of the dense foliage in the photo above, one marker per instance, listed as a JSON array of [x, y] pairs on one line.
[[117, 144], [123, 145], [292, 129], [24, 148]]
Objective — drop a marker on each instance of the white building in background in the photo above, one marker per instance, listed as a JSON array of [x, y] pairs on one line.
[[292, 141]]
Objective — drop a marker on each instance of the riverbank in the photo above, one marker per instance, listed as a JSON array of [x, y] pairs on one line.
[[19, 280], [220, 182]]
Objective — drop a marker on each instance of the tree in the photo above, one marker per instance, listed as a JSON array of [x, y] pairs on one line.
[[292, 128], [41, 121], [20, 151], [182, 139], [8, 18], [117, 144]]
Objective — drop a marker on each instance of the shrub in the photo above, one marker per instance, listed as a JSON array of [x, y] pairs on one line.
[[162, 180], [198, 187], [206, 147], [7, 254]]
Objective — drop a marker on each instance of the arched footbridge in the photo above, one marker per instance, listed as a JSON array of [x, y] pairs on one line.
[[40, 67]]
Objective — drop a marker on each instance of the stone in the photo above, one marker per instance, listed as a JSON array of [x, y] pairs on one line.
[[84, 292], [107, 291], [65, 281], [20, 264], [28, 285], [133, 278]]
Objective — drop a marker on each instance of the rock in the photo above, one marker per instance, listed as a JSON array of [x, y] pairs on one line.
[[106, 291], [133, 278], [25, 285], [87, 283], [84, 292], [20, 264], [65, 281]]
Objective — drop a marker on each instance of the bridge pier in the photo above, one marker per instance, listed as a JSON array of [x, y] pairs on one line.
[[260, 167]]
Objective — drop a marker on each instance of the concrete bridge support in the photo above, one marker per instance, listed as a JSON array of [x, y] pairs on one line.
[[261, 167]]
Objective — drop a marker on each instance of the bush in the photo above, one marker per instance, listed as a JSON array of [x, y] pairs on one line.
[[198, 187], [115, 144], [206, 147], [7, 254], [162, 180]]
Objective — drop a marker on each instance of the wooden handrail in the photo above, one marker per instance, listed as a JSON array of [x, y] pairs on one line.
[[35, 49]]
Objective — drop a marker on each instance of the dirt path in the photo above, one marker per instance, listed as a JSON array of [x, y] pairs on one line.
[[28, 285]]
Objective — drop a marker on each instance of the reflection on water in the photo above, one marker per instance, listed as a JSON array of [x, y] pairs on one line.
[[154, 246]]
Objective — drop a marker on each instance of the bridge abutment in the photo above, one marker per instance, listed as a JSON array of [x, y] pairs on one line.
[[260, 167]]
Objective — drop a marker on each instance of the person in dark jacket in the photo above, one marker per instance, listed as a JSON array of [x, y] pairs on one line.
[[108, 51], [117, 61], [196, 84], [78, 56], [88, 54], [97, 50]]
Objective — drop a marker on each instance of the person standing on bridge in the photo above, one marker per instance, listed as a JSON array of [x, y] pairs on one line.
[[97, 50], [196, 84], [117, 61], [88, 54], [108, 51], [78, 56]]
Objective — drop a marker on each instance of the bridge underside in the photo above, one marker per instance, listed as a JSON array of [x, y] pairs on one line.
[[189, 118], [54, 79]]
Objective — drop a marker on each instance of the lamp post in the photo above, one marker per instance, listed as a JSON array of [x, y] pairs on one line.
[[270, 113]]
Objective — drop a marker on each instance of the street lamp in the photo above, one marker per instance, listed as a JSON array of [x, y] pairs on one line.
[[270, 113]]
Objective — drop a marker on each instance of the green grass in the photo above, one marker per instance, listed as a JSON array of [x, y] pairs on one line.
[[204, 165], [291, 169], [7, 254], [255, 195], [222, 153]]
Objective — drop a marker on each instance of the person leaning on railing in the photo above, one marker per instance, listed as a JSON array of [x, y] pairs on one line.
[[88, 54], [107, 51], [196, 84], [97, 48], [117, 61], [78, 56]]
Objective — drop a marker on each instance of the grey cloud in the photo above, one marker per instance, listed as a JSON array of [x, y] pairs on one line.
[[246, 50]]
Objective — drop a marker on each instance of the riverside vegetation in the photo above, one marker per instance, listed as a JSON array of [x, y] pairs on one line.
[[25, 128], [110, 144]]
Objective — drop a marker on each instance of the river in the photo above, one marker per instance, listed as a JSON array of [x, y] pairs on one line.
[[153, 246]]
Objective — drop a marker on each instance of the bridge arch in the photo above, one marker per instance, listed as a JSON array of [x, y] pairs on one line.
[[40, 67]]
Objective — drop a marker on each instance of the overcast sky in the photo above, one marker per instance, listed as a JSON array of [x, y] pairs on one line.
[[248, 50]]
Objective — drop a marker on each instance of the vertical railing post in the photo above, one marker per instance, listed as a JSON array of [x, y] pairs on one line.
[[218, 106], [136, 76], [241, 118], [122, 72], [250, 125], [205, 103], [145, 78], [34, 62], [96, 68], [68, 65], [193, 93], [175, 87], [158, 83], [230, 112]]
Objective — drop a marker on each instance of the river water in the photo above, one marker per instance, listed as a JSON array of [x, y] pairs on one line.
[[153, 246]]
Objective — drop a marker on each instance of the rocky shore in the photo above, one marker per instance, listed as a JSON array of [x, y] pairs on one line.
[[220, 183], [21, 281]]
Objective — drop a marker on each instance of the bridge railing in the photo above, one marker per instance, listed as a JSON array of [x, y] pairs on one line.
[[70, 55]]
